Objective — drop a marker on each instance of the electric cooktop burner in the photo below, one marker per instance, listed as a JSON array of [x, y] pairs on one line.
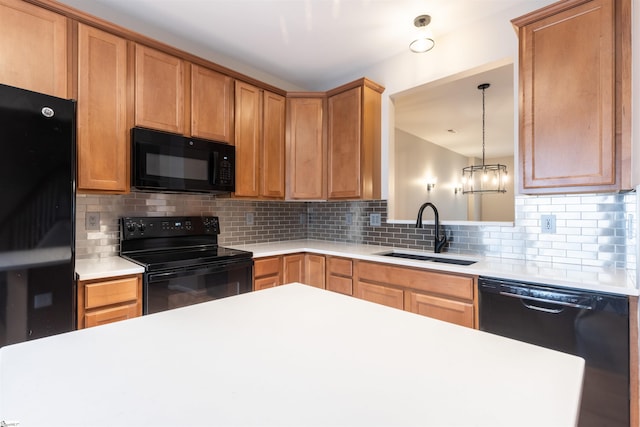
[[159, 243]]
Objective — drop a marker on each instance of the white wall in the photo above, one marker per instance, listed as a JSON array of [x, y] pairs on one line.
[[418, 160]]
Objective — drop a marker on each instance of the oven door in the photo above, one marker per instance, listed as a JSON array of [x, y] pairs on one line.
[[178, 288]]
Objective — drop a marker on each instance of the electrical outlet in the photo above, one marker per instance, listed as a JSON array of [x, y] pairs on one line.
[[249, 218], [375, 219], [92, 221], [348, 218], [548, 223]]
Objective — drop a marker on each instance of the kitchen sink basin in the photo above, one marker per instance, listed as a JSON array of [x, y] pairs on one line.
[[429, 258]]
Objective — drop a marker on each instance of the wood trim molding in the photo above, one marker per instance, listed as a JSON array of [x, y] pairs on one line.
[[130, 35]]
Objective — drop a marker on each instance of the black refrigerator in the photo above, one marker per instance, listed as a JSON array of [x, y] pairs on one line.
[[37, 215]]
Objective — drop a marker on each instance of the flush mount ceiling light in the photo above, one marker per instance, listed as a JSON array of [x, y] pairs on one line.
[[424, 40], [484, 178]]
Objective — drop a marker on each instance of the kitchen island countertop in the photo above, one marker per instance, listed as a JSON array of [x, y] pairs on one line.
[[290, 355]]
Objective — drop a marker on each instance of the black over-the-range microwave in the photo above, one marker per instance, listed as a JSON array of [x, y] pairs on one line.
[[167, 162]]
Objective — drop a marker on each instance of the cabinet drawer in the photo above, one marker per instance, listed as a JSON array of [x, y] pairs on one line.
[[110, 292], [440, 283], [109, 315], [340, 266], [343, 285], [457, 312], [380, 294], [266, 266], [265, 282]]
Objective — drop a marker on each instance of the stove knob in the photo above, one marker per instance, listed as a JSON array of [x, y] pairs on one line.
[[142, 227], [131, 227]]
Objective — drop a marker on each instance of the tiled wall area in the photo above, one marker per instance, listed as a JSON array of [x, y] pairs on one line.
[[272, 221], [591, 230]]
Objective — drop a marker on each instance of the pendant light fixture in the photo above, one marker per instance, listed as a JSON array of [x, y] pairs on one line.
[[424, 40], [484, 178]]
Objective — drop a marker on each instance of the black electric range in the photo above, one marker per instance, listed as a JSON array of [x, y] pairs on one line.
[[183, 262]]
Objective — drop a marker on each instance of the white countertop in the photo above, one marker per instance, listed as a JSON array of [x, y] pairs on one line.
[[287, 356], [89, 269], [617, 281]]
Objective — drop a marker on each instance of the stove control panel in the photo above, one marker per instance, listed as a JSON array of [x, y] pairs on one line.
[[168, 226]]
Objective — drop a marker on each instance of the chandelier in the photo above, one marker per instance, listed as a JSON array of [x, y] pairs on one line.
[[484, 178]]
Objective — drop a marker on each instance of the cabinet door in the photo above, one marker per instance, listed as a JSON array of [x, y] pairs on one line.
[[568, 100], [247, 139], [160, 89], [103, 125], [315, 270], [457, 312], [380, 294], [34, 48], [293, 268], [344, 149], [211, 105], [272, 150], [306, 169]]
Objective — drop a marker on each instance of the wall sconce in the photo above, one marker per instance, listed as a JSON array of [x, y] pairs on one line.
[[431, 183], [424, 39], [457, 189]]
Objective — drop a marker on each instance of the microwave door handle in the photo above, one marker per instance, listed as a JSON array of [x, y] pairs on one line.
[[213, 167]]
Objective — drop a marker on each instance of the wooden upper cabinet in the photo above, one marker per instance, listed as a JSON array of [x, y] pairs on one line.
[[211, 105], [103, 122], [248, 130], [160, 90], [259, 140], [33, 48], [575, 97], [306, 153], [353, 138], [272, 148]]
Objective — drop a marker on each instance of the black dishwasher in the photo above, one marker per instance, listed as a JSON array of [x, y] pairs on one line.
[[592, 325]]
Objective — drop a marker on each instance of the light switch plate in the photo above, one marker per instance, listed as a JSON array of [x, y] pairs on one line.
[[92, 221], [348, 218], [375, 219]]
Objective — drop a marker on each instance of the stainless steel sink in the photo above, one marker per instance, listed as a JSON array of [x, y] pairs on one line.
[[420, 257]]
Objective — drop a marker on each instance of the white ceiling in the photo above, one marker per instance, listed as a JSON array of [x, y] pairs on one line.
[[449, 113], [312, 44], [309, 43]]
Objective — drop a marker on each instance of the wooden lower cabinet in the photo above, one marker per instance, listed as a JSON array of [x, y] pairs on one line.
[[267, 272], [380, 294], [314, 270], [339, 275], [278, 270], [458, 312], [109, 300], [293, 268], [444, 296]]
